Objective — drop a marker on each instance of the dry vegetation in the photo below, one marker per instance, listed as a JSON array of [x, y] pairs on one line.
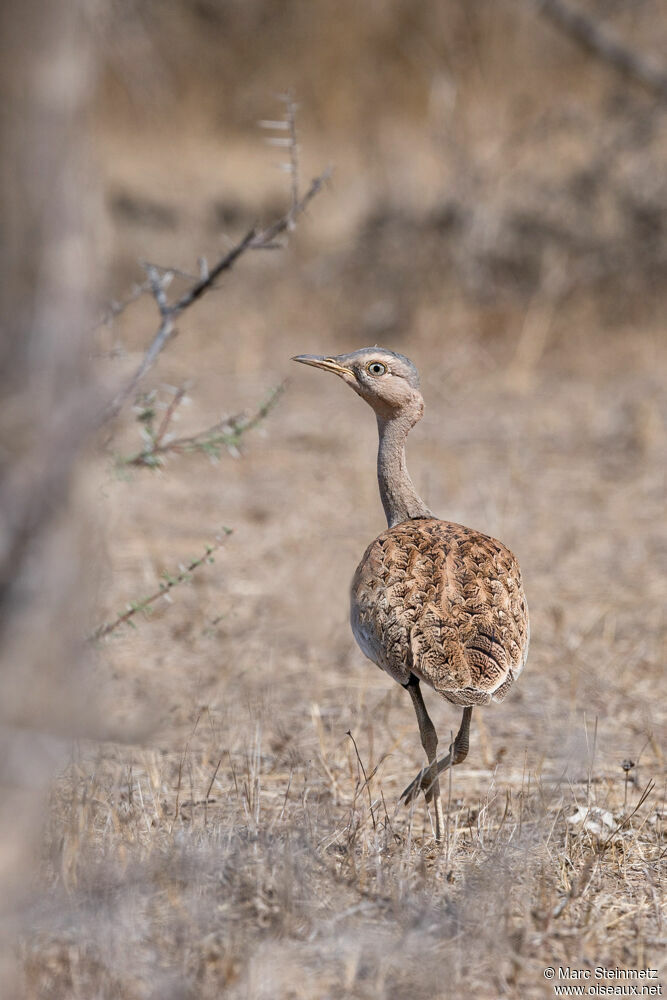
[[239, 845], [231, 827]]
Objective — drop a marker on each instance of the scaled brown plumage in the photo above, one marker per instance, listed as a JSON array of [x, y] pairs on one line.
[[431, 600], [441, 601]]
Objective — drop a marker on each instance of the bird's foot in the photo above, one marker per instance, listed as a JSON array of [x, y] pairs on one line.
[[422, 783]]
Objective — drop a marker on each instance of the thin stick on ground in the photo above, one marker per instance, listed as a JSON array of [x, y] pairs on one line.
[[145, 603], [366, 779], [208, 790], [181, 762]]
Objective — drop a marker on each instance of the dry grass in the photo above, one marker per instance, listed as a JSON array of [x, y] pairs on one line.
[[265, 873], [221, 837], [238, 847]]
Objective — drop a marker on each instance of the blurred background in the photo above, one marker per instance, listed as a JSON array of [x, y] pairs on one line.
[[496, 210]]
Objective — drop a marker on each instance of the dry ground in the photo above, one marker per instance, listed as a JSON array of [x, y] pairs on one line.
[[232, 845], [236, 831]]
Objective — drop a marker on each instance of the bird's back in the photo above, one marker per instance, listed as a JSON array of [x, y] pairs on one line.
[[446, 603]]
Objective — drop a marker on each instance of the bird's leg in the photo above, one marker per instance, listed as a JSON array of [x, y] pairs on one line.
[[429, 777], [458, 752]]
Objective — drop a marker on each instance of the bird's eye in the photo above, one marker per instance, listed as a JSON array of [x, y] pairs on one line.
[[376, 368]]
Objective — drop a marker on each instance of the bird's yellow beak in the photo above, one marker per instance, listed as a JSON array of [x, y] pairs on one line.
[[328, 364]]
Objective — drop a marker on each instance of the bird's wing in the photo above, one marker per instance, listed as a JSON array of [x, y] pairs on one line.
[[446, 603]]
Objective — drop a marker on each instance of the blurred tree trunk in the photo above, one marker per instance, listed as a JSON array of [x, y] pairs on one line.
[[46, 84]]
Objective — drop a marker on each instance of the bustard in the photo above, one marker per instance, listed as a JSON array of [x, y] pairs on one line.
[[431, 601]]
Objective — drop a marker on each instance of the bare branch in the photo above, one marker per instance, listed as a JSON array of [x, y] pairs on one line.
[[158, 285], [204, 283], [168, 583], [115, 308], [253, 240], [599, 40], [265, 238], [160, 340]]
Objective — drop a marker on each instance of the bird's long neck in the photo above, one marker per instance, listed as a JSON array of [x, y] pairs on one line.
[[399, 497]]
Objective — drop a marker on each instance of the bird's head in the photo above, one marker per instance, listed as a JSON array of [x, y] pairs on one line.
[[389, 382]]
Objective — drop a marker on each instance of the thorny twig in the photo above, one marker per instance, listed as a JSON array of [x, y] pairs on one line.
[[225, 433], [254, 239], [167, 584]]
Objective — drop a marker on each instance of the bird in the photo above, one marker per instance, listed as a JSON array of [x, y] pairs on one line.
[[431, 602]]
